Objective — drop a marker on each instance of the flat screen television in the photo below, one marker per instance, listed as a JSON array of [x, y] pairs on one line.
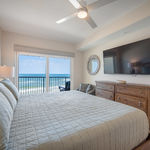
[[132, 58]]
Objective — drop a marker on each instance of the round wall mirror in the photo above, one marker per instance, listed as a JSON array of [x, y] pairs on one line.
[[93, 65]]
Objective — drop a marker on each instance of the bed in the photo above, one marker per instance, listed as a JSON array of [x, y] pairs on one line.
[[74, 120]]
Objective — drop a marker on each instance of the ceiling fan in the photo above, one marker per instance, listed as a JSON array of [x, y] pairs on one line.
[[83, 10]]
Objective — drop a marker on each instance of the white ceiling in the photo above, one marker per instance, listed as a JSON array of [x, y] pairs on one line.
[[38, 17]]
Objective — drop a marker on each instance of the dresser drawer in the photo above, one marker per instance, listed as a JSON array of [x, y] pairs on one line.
[[104, 94], [105, 86], [137, 102], [131, 90]]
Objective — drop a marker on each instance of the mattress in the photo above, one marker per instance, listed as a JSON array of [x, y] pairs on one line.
[[75, 121]]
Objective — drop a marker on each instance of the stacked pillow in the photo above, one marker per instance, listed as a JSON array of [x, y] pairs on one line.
[[9, 96], [11, 87], [6, 115]]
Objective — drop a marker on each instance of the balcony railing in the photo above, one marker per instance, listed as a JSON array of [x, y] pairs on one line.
[[37, 84]]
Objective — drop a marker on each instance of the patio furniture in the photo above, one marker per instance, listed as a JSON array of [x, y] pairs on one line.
[[66, 88]]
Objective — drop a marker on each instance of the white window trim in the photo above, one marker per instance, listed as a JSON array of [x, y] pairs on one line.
[[42, 51]]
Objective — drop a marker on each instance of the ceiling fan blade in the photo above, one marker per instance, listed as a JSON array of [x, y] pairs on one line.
[[83, 3], [66, 18], [75, 3], [99, 4], [91, 22]]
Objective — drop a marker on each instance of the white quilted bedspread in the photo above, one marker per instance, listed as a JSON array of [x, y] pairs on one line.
[[75, 121]]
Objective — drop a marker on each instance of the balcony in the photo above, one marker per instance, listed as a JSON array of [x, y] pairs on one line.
[[37, 84]]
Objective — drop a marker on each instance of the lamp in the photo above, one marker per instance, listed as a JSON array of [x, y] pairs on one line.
[[6, 72]]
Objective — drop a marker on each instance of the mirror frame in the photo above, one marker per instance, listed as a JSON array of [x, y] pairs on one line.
[[98, 68]]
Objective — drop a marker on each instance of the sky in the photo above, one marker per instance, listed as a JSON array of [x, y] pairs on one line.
[[37, 65]]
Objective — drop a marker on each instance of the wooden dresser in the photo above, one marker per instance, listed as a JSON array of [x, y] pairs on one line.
[[135, 95], [105, 90]]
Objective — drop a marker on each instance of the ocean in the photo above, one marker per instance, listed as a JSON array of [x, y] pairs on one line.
[[44, 75]]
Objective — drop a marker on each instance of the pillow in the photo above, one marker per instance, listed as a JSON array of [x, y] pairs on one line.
[[6, 116], [10, 97], [11, 87], [83, 87], [90, 87]]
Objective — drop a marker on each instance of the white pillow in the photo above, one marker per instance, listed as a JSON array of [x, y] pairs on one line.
[[10, 97], [11, 87], [6, 115]]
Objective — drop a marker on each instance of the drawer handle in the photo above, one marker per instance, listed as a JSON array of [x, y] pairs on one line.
[[139, 104]]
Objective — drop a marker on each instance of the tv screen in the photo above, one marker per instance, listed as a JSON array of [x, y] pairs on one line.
[[133, 58]]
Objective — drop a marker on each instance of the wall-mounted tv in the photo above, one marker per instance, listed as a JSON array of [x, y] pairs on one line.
[[132, 58]]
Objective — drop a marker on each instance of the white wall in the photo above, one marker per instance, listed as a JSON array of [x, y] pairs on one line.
[[141, 79], [10, 39]]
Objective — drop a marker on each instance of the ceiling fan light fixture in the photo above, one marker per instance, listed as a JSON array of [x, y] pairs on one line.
[[82, 14]]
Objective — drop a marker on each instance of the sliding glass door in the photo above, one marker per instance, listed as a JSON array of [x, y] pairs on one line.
[[38, 74], [32, 74], [59, 73]]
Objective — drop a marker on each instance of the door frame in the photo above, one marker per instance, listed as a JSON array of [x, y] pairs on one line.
[[47, 66]]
